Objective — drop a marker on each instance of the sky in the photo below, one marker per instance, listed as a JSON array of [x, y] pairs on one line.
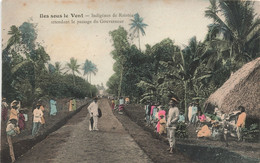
[[178, 20]]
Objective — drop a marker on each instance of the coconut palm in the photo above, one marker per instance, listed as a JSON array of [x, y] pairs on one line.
[[58, 68], [89, 68], [15, 36], [73, 67], [236, 29], [137, 25]]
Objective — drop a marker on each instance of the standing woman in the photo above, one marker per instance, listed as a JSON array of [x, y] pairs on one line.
[[14, 113], [53, 107], [241, 121], [113, 104], [172, 120]]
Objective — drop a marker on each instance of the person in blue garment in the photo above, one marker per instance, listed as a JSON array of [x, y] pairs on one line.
[[181, 118], [53, 107]]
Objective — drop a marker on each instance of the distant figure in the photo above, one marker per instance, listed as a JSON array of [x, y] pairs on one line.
[[121, 101], [162, 123], [241, 122], [202, 117], [21, 121], [93, 113], [4, 109], [37, 118], [153, 115], [194, 114], [161, 115], [42, 118], [53, 107], [72, 105], [127, 100], [181, 118], [11, 130], [172, 119], [147, 113], [13, 112], [190, 111], [204, 132], [112, 104]]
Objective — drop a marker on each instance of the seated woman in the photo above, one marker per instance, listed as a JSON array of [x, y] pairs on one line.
[[12, 129], [202, 117], [204, 132]]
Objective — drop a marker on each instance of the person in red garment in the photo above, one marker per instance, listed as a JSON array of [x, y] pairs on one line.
[[241, 122], [21, 120]]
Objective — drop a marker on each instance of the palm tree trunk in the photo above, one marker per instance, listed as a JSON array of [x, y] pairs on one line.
[[139, 40], [120, 82], [185, 99], [73, 75]]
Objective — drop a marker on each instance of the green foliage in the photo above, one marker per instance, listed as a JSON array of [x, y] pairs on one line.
[[181, 130], [89, 68], [252, 133], [25, 76]]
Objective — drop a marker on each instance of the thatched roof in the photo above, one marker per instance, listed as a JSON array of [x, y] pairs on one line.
[[242, 88]]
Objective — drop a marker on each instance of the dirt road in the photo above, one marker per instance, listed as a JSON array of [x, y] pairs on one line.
[[75, 143]]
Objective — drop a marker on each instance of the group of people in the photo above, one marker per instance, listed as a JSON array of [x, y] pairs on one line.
[[15, 117], [209, 125], [119, 103], [156, 116]]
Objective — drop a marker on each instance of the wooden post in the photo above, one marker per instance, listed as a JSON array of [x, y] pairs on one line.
[[9, 140]]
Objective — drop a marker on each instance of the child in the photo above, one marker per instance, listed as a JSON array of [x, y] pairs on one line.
[[181, 118], [162, 123]]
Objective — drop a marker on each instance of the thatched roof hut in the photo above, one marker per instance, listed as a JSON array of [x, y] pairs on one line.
[[242, 88]]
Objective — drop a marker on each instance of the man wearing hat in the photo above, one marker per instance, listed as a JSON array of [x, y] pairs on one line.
[[172, 120], [93, 113]]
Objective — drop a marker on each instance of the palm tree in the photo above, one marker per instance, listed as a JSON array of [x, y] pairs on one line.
[[138, 25], [184, 65], [89, 68], [58, 68], [73, 67], [15, 36], [237, 30]]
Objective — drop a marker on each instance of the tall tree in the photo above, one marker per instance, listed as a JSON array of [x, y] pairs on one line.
[[58, 68], [235, 29], [121, 49], [137, 25], [73, 66], [89, 68]]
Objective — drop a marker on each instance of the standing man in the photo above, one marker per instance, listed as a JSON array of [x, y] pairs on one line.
[[172, 120], [37, 119], [93, 112]]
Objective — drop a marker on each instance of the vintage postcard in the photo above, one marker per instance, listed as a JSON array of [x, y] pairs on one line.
[[125, 80]]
